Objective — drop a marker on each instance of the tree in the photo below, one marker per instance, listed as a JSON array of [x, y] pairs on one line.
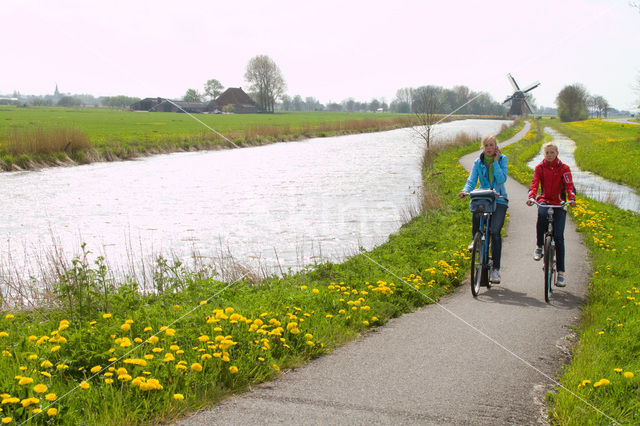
[[213, 88], [425, 104], [266, 81], [192, 95], [572, 103], [119, 101], [69, 101]]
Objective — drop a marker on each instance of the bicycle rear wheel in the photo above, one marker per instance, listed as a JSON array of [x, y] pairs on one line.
[[476, 264], [548, 268]]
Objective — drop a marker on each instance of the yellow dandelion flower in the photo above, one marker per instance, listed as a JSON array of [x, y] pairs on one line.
[[4, 334], [9, 316], [106, 316], [23, 381], [196, 367], [95, 369], [178, 396], [275, 367], [7, 420], [628, 374], [52, 412], [125, 327], [40, 388], [84, 385], [618, 370], [51, 397], [233, 369]]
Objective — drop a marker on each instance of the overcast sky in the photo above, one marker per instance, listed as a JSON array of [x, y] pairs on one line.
[[330, 49]]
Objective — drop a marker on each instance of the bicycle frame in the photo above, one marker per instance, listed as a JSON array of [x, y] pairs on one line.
[[549, 251]]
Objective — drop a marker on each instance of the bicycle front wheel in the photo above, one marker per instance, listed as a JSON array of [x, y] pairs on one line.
[[476, 264], [548, 269]]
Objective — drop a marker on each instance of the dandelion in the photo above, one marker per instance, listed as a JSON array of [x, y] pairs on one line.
[[125, 327], [51, 397], [7, 420], [275, 367], [203, 302], [84, 385], [601, 382], [618, 370], [9, 316], [178, 396], [196, 367], [40, 388], [233, 369], [23, 381], [628, 374], [52, 412], [106, 316], [95, 369], [4, 334]]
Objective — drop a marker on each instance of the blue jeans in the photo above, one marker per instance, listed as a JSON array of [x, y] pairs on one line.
[[559, 220], [497, 222]]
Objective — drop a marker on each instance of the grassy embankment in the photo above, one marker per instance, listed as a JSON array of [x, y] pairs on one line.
[[102, 353], [31, 137], [604, 371]]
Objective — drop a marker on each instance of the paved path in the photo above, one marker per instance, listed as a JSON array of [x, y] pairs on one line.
[[463, 361]]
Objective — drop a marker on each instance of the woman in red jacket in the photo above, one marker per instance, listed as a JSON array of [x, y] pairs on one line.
[[557, 185]]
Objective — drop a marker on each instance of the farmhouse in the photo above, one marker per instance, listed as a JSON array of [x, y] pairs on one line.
[[239, 101]]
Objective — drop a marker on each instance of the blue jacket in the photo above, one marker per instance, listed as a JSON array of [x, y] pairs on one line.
[[481, 174]]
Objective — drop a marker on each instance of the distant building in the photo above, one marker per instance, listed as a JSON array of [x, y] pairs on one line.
[[234, 96]]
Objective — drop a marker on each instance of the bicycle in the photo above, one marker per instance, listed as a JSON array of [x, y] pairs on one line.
[[482, 201], [549, 251]]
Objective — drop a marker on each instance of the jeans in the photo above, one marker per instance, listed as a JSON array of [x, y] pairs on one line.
[[559, 219], [497, 222]]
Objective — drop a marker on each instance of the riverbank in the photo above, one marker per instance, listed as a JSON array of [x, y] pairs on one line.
[[601, 382], [32, 138]]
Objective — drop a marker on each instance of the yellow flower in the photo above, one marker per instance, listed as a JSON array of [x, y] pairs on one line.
[[51, 397], [55, 348], [176, 307], [178, 396], [106, 316], [52, 412], [628, 374], [4, 334], [275, 367], [95, 369], [108, 381], [203, 338], [196, 367], [169, 332], [618, 370], [40, 388], [84, 385], [233, 369], [23, 381], [125, 327], [7, 420], [9, 316], [601, 382]]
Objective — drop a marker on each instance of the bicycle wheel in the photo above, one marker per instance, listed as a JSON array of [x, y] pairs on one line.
[[476, 264], [487, 263], [553, 269], [548, 265]]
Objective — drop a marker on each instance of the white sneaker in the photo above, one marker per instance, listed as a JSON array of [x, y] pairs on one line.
[[560, 281], [495, 276], [470, 246], [537, 254]]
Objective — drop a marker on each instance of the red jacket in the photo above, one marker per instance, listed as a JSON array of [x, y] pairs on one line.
[[555, 180]]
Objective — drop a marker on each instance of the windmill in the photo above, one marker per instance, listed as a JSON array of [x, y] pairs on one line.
[[519, 104]]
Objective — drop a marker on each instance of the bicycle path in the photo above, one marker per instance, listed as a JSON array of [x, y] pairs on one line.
[[464, 361]]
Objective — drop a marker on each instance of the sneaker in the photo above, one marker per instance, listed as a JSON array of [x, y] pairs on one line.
[[537, 254], [495, 276], [560, 281]]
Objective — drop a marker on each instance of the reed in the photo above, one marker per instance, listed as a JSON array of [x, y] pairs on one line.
[[46, 140]]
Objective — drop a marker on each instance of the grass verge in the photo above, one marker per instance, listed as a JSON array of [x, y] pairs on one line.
[[603, 375]]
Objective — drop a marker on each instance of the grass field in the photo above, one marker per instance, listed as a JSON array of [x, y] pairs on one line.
[[601, 383], [611, 150], [27, 135]]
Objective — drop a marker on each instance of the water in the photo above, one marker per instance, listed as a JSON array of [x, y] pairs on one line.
[[278, 206], [587, 183]]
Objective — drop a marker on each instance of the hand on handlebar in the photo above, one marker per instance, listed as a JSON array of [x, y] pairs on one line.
[[463, 194], [530, 202], [572, 203]]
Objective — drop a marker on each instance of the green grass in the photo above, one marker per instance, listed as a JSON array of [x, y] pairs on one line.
[[611, 150], [116, 134], [608, 344], [102, 343]]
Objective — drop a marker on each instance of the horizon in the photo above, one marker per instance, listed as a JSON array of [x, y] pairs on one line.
[[361, 50]]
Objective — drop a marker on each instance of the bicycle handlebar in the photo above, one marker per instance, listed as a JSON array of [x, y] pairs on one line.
[[552, 206]]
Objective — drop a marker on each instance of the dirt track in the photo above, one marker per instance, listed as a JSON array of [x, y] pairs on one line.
[[463, 361]]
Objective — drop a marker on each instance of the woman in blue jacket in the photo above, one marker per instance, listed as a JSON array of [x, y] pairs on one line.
[[490, 172]]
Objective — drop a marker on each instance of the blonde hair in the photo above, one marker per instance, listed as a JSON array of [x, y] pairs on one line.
[[488, 139], [549, 145]]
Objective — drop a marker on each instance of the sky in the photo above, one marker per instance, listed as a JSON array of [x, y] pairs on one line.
[[330, 50]]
